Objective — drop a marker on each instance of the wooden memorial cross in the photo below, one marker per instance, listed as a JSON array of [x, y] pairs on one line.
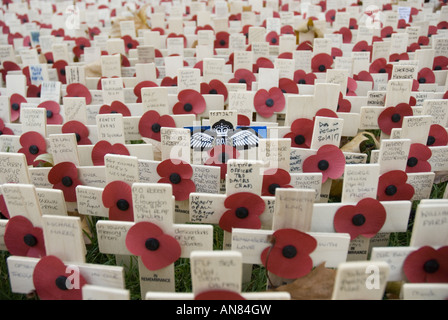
[[293, 210], [154, 217], [365, 280], [217, 275], [428, 233], [359, 209], [64, 249]]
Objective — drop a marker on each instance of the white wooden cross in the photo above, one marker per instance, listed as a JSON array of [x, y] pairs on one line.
[[159, 211], [63, 238], [429, 229], [217, 272], [361, 182]]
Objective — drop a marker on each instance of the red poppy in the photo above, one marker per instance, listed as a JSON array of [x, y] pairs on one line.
[[129, 43], [301, 77], [273, 38], [189, 102], [16, 101], [103, 147], [362, 46], [418, 157], [330, 15], [64, 176], [169, 82], [440, 63], [53, 280], [117, 196], [60, 67], [443, 2], [115, 107], [363, 76], [156, 249], [267, 102], [423, 41], [23, 239], [93, 31], [427, 265], [287, 29], [386, 32], [3, 208], [9, 66], [346, 34], [33, 91], [79, 90], [53, 108], [351, 87], [33, 144], [426, 75], [366, 218], [353, 24], [5, 130], [178, 173], [285, 55], [79, 129], [402, 24], [219, 155], [380, 65], [222, 40], [432, 30], [392, 117], [413, 47], [289, 255], [201, 28], [442, 25], [301, 133], [219, 295], [243, 76], [438, 136], [288, 86], [262, 62], [243, 120], [275, 178], [174, 35], [58, 33], [325, 112], [151, 122], [344, 105], [235, 17], [392, 186], [215, 86], [81, 43], [305, 45], [395, 57], [321, 62], [244, 209], [329, 160], [143, 84], [336, 52]]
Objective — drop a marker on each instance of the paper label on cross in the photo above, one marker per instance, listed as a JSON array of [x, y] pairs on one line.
[[361, 280]]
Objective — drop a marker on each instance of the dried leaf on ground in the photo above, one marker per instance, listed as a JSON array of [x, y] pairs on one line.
[[316, 285]]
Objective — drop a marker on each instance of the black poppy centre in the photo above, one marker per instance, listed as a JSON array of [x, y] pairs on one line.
[[122, 204], [188, 107], [67, 181], [30, 240], [412, 162], [152, 244], [241, 212], [272, 187], [155, 128], [395, 117], [269, 102], [33, 149], [358, 219], [61, 282], [15, 106], [175, 178], [431, 140], [431, 266], [323, 165], [391, 190], [289, 251]]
